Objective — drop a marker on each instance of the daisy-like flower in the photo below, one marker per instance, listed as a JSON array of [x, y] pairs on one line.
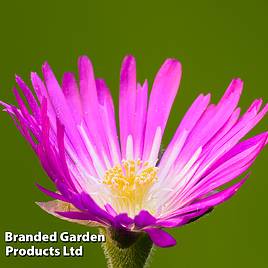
[[122, 184]]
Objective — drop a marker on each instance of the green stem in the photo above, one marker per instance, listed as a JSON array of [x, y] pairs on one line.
[[125, 249]]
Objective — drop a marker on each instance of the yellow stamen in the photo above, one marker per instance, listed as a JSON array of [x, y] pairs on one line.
[[129, 183]]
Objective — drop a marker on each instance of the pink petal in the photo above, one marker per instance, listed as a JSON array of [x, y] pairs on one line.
[[163, 93], [107, 113], [160, 238], [127, 100], [90, 105], [71, 93]]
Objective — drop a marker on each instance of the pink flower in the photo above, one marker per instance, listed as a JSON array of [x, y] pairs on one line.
[[123, 183]]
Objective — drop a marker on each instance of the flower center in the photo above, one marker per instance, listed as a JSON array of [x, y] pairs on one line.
[[129, 184]]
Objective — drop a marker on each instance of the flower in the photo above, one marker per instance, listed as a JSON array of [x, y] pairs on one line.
[[124, 184]]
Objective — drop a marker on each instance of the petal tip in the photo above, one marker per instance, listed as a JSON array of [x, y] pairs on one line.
[[84, 60], [46, 69], [128, 65], [85, 66], [171, 67], [237, 84], [173, 63]]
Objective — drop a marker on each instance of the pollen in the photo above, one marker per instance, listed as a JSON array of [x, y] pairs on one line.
[[129, 183]]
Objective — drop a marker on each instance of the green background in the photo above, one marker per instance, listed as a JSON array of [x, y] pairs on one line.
[[214, 40]]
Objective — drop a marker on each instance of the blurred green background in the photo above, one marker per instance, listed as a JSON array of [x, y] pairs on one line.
[[214, 40]]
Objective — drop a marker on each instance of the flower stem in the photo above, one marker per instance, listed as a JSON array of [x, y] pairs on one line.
[[125, 249]]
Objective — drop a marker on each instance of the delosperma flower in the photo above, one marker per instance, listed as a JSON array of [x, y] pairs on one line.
[[122, 183]]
